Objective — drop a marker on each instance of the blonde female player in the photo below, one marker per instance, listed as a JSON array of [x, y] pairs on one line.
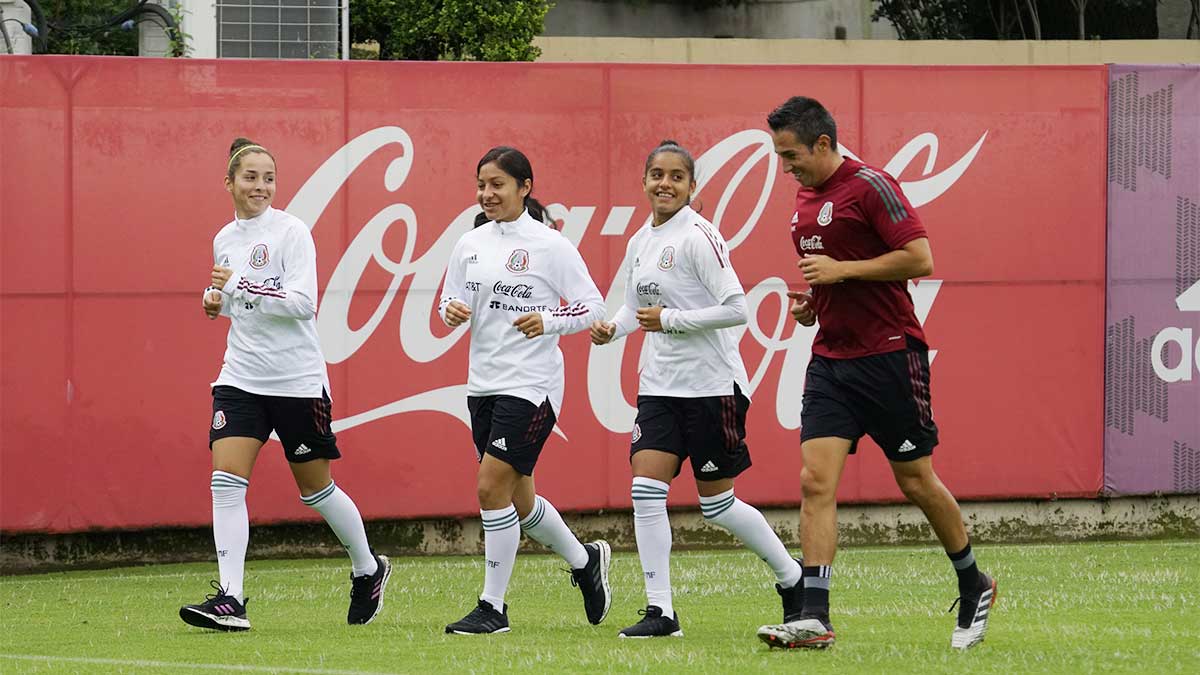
[[506, 277], [264, 279], [683, 292]]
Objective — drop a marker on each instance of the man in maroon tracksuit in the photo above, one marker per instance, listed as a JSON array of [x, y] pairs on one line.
[[860, 241]]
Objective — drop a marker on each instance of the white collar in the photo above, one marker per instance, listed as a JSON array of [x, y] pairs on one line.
[[683, 215], [523, 221], [256, 221]]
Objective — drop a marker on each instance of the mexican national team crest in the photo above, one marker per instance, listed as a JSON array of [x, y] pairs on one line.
[[667, 260], [637, 433], [518, 261], [259, 257], [219, 419], [825, 217]]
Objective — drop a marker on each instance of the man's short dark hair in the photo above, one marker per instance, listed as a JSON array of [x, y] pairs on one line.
[[806, 118]]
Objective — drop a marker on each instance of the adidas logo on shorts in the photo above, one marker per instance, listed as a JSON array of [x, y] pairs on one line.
[[708, 467], [302, 450], [499, 443], [907, 446]]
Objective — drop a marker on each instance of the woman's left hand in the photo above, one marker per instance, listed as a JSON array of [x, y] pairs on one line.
[[650, 318], [530, 324], [212, 303]]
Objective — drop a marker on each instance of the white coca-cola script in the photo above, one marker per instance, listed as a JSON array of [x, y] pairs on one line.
[[609, 404]]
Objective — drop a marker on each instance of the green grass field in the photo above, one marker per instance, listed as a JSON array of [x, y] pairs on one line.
[[1071, 608]]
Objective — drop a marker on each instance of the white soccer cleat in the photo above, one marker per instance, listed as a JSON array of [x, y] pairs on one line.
[[800, 634], [973, 617]]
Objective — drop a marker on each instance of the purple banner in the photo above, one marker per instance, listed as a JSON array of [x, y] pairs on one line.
[[1152, 340]]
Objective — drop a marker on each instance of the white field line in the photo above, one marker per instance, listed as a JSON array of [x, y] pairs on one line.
[[192, 666]]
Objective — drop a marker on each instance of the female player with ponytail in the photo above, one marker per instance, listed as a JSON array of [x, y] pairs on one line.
[[264, 280], [507, 278]]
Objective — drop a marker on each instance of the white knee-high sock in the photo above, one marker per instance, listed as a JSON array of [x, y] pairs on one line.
[[749, 525], [546, 527], [501, 535], [652, 529], [231, 530], [344, 519]]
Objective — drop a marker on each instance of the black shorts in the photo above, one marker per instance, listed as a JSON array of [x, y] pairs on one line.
[[885, 396], [510, 429], [302, 423], [710, 430]]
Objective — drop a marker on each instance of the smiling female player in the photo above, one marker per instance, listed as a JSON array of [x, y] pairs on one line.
[[264, 279], [506, 277], [692, 404]]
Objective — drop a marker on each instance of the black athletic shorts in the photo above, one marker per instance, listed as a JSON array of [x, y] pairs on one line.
[[510, 429], [885, 396], [710, 430], [302, 423]]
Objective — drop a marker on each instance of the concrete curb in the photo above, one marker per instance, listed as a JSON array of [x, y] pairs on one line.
[[1171, 517]]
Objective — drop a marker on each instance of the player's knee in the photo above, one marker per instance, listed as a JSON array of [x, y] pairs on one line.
[[231, 466], [484, 492], [309, 488], [491, 494], [915, 487], [814, 485]]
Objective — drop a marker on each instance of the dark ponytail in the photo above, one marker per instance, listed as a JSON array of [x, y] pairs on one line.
[[514, 163], [538, 212]]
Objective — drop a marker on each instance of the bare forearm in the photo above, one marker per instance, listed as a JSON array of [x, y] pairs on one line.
[[891, 266]]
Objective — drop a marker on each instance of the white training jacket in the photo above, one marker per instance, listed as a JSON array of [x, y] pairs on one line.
[[683, 265], [501, 271], [271, 301]]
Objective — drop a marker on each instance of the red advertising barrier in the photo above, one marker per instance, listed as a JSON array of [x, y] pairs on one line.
[[111, 190]]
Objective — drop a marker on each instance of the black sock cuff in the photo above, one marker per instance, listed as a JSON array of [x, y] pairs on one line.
[[820, 571], [961, 555]]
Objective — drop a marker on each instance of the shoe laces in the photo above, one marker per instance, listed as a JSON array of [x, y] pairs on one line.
[[360, 587], [651, 612], [578, 577], [482, 610], [966, 611], [220, 591]]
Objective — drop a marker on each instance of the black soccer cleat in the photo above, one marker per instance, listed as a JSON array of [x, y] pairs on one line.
[[366, 593], [653, 624], [973, 613], [592, 581], [806, 632], [482, 620], [218, 612]]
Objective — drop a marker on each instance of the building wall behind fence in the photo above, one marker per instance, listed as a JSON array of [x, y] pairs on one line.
[[110, 193], [859, 52], [776, 19]]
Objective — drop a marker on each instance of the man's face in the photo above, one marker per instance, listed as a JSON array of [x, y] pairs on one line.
[[804, 163]]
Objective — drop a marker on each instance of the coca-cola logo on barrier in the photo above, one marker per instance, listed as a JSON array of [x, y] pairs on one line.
[[609, 404]]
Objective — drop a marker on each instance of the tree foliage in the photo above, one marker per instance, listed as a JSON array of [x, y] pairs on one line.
[[79, 27], [1019, 19], [485, 30], [926, 19]]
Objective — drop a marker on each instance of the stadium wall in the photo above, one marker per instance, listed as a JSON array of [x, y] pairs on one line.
[[110, 192]]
